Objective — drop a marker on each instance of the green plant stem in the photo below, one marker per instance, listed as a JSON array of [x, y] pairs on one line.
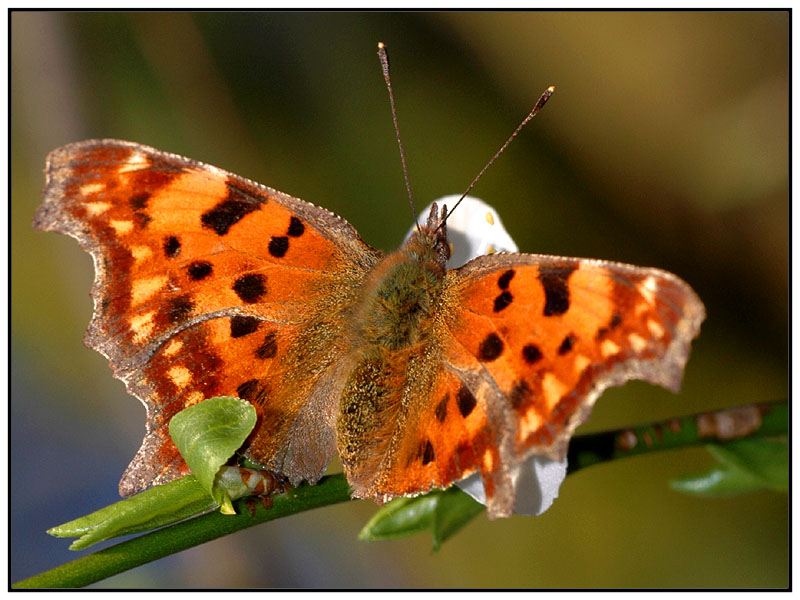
[[186, 534], [586, 450], [678, 432]]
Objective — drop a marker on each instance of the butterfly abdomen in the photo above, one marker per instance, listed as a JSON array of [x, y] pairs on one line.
[[378, 398]]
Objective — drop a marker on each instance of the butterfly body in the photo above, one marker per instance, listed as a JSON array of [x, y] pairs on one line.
[[396, 353], [209, 284]]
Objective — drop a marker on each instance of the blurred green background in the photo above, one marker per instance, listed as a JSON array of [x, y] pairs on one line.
[[666, 144]]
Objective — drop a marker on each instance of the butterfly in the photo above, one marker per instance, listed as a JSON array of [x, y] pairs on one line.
[[209, 284]]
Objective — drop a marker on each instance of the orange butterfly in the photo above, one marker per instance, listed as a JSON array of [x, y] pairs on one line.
[[209, 284]]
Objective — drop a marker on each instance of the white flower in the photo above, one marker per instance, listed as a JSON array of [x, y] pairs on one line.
[[475, 229], [536, 482]]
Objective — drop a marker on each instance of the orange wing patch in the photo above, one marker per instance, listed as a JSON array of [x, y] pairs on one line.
[[450, 440], [551, 333]]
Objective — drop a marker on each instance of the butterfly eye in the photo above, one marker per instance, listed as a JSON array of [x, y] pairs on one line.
[[473, 230]]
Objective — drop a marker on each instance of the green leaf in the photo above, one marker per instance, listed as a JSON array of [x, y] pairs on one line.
[[454, 510], [401, 517], [207, 434], [718, 481], [188, 533], [156, 507], [764, 458], [443, 513], [746, 465]]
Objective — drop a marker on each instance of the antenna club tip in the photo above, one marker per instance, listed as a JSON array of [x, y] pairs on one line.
[[551, 89], [381, 46]]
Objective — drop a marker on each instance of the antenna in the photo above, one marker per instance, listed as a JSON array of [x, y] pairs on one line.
[[384, 58], [539, 104]]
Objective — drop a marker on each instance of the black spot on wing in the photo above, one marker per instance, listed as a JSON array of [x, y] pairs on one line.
[[138, 203], [502, 301], [296, 227], [505, 279], [278, 246], [566, 344], [236, 205], [226, 214], [245, 390], [531, 353], [428, 455], [251, 287], [248, 389], [172, 246], [555, 282], [441, 409], [199, 270], [490, 348], [268, 348], [253, 391], [242, 326], [466, 401], [179, 309]]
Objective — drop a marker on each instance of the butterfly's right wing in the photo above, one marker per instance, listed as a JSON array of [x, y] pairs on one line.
[[527, 343]]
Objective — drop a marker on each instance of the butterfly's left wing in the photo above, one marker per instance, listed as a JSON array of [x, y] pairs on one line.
[[209, 284], [528, 343]]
